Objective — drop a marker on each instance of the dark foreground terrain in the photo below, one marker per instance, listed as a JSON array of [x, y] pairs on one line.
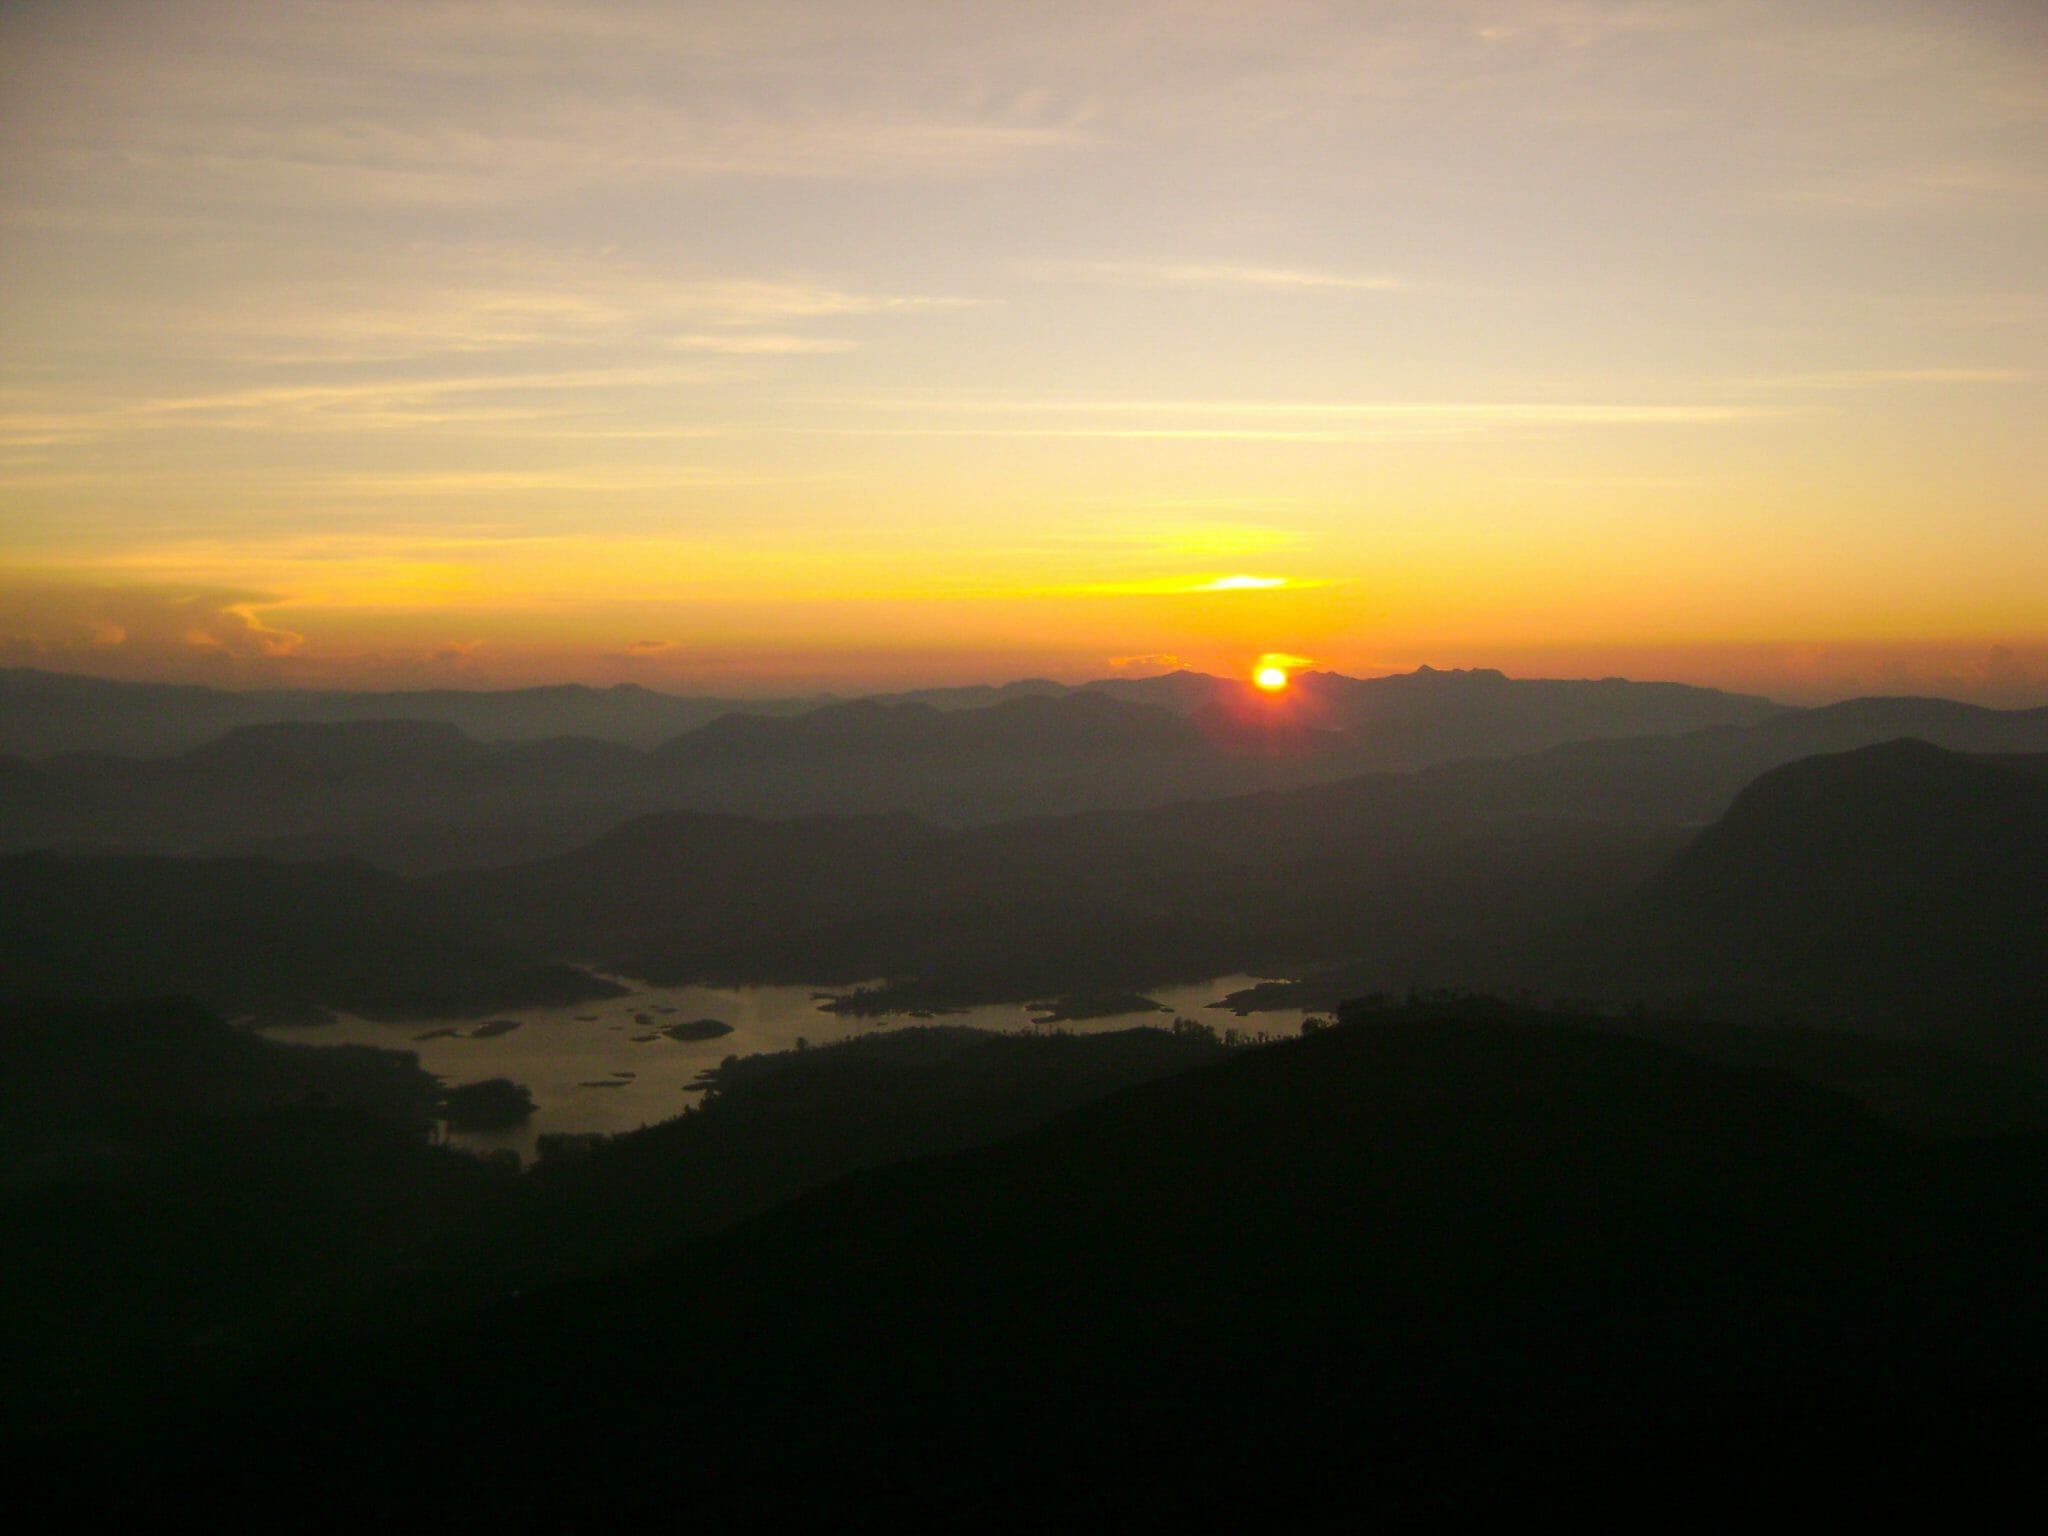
[[1440, 1260]]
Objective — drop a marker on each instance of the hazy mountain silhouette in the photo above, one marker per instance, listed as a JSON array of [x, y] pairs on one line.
[[1896, 879], [407, 794], [421, 795], [1410, 1267], [48, 712], [1025, 755], [1496, 873], [1412, 719], [1419, 717], [1386, 881], [254, 936], [1693, 777], [1018, 910]]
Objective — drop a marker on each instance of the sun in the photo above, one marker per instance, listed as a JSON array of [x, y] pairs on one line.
[[1272, 679]]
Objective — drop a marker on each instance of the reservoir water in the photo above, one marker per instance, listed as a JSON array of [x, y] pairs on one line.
[[607, 1067]]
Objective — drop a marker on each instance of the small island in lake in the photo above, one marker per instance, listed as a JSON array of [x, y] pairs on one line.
[[1075, 1006], [698, 1029], [491, 1105], [493, 1028]]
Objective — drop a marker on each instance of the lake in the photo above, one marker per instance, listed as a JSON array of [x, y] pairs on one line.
[[605, 1066]]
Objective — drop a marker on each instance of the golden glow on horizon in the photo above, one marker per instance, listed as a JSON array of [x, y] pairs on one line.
[[1065, 363]]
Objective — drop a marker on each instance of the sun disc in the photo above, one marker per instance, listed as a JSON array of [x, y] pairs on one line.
[[1271, 678]]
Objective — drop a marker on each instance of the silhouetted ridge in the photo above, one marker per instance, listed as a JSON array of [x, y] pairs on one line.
[[1900, 871], [1029, 723], [335, 748], [251, 935]]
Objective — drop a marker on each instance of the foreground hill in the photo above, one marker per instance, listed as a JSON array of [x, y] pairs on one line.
[[1407, 1270], [168, 1180], [1897, 885]]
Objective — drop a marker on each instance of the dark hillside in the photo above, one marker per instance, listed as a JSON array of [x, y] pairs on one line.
[[1891, 878], [282, 941], [1397, 1271]]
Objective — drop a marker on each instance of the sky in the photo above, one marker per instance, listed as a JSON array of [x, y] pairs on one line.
[[881, 343]]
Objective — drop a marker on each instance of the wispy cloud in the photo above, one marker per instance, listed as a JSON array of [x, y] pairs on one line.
[[357, 406], [1876, 378], [1169, 586], [1150, 661], [1296, 421], [470, 303], [749, 344], [1219, 275], [1472, 410], [1893, 188]]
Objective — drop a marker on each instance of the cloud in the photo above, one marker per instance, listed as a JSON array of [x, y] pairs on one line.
[[1167, 586], [152, 630], [1314, 421], [1220, 275], [750, 343], [556, 305], [1149, 661], [1886, 189], [1874, 378], [386, 403], [386, 106]]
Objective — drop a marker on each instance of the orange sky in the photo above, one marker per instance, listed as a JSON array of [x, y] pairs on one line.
[[876, 344]]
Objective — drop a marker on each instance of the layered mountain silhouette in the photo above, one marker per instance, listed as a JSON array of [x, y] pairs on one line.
[[418, 795], [1918, 881], [1692, 777], [421, 795], [46, 712], [252, 936], [1423, 717]]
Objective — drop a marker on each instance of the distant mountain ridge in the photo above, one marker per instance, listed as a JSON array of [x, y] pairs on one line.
[[418, 791], [420, 795], [1889, 882], [43, 713], [252, 936]]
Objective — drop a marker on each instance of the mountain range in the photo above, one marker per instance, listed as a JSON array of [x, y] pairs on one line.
[[1437, 714], [423, 795]]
